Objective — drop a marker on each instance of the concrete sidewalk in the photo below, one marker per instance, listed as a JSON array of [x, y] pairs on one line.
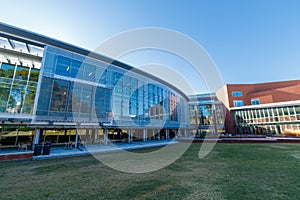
[[58, 152]]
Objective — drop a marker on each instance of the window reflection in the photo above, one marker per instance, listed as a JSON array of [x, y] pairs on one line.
[[17, 88], [102, 88], [59, 95]]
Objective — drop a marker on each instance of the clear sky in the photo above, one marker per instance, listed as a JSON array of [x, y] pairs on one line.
[[249, 40]]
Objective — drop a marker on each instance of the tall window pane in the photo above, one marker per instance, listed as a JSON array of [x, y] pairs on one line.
[[59, 96]]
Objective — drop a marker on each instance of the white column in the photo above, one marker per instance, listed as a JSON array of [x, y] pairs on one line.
[[153, 133], [167, 134], [185, 133], [76, 138], [145, 135], [129, 135], [96, 135], [105, 136], [146, 130], [215, 119], [37, 136]]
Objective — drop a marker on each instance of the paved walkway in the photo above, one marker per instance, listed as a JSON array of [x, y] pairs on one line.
[[57, 152], [243, 140]]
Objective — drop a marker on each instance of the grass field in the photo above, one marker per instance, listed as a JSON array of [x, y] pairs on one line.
[[230, 171]]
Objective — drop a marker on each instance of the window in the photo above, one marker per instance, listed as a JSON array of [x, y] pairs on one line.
[[255, 101], [237, 93], [63, 66], [59, 95], [237, 103]]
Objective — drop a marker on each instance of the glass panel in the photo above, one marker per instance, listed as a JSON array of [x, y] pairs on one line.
[[133, 104], [76, 70], [103, 77], [285, 110], [255, 101], [89, 72], [297, 108], [17, 96], [7, 70], [22, 73], [34, 75], [4, 94], [116, 77], [100, 102], [59, 95], [237, 103], [85, 104], [237, 93], [45, 94], [75, 96], [63, 66], [29, 100], [291, 109], [109, 77], [117, 106], [50, 62]]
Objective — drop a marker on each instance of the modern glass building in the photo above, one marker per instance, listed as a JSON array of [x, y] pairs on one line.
[[206, 114], [57, 92]]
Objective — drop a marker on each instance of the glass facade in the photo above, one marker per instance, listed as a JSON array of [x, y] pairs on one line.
[[46, 91], [206, 112], [19, 74], [83, 89], [17, 88], [270, 120]]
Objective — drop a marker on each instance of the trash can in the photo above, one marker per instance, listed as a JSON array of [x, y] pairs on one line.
[[37, 150], [46, 148]]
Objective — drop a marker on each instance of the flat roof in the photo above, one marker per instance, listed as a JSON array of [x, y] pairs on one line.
[[36, 39]]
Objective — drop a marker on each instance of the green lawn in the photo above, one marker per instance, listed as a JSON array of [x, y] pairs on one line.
[[230, 171]]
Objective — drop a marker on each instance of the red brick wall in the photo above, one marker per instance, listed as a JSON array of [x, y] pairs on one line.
[[16, 156], [267, 92], [271, 92]]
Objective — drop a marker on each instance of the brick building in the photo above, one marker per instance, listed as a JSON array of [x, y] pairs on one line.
[[262, 108]]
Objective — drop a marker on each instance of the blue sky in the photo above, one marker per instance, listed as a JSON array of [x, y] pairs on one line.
[[249, 40]]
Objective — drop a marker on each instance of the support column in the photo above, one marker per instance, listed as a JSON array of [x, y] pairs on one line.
[[37, 136], [129, 135], [105, 136], [65, 135], [76, 139], [158, 134], [145, 135], [153, 133], [167, 134], [87, 135], [215, 119], [96, 135], [185, 133]]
